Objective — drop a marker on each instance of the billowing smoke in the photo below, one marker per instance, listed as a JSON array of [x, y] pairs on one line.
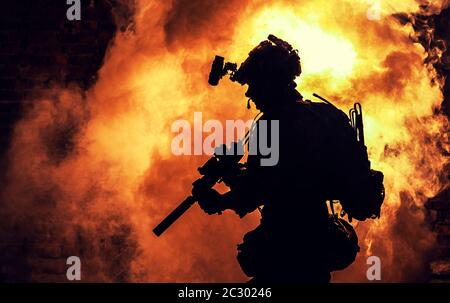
[[187, 22]]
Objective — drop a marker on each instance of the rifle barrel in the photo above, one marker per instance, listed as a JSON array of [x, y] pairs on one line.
[[174, 215]]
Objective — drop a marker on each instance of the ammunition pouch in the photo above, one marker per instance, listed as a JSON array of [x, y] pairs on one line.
[[333, 250], [249, 254], [365, 196], [342, 244]]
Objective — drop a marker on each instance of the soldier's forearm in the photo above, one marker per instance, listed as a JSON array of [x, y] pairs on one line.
[[240, 204]]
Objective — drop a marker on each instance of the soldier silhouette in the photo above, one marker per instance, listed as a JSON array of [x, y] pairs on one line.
[[320, 160]]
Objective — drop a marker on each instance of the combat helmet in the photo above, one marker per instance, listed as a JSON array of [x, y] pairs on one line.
[[272, 61]]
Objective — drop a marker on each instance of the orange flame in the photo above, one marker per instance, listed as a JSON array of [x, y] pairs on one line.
[[121, 178]]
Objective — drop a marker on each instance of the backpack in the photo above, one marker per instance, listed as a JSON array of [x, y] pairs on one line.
[[358, 188]]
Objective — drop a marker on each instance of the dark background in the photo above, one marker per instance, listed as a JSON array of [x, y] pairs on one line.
[[41, 49]]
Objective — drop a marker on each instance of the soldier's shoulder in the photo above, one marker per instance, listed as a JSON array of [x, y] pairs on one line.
[[304, 111], [323, 110]]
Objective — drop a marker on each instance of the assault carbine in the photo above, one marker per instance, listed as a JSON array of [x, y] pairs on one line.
[[223, 166]]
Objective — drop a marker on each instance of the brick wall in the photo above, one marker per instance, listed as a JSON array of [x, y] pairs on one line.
[[439, 206], [39, 47]]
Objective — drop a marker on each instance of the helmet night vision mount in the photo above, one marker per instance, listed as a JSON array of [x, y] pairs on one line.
[[220, 68]]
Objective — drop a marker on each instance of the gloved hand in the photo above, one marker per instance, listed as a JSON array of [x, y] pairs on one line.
[[209, 200]]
